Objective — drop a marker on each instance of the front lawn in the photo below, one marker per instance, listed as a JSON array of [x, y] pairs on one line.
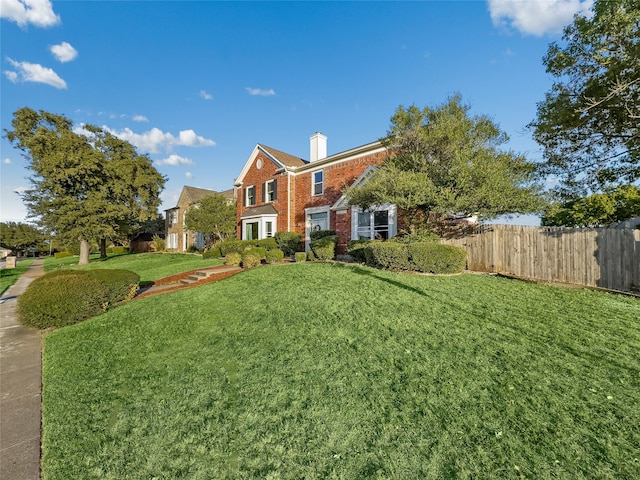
[[150, 266], [9, 276], [329, 371]]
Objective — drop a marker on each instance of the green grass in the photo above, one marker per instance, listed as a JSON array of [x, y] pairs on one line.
[[328, 371], [9, 276], [150, 266]]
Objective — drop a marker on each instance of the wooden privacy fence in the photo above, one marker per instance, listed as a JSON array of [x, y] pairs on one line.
[[594, 257]]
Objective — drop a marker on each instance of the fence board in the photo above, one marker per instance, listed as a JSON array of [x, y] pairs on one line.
[[600, 257]]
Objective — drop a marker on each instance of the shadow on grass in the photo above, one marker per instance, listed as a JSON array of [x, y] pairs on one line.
[[371, 273]]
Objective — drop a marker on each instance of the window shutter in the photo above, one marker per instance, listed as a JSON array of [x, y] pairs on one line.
[[264, 192], [275, 189], [244, 197]]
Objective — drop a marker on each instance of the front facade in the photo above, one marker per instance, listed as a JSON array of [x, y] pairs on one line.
[[279, 192], [177, 237]]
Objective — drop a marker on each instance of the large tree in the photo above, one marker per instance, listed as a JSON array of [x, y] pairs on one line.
[[20, 237], [85, 187], [214, 216], [597, 210], [444, 161], [589, 122]]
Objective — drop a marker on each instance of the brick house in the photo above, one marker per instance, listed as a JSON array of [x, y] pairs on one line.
[[276, 191], [177, 237]]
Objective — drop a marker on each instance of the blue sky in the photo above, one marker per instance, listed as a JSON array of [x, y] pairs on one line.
[[197, 84]]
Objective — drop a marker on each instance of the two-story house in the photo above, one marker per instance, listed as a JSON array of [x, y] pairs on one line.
[[276, 191], [177, 237]]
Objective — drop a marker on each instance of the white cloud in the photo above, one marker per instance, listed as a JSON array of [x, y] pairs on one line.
[[261, 92], [536, 17], [189, 175], [140, 118], [155, 140], [175, 160], [6, 161], [20, 190], [37, 12], [33, 72], [205, 95], [64, 52]]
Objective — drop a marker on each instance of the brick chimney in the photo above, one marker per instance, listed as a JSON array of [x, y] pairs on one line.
[[318, 146]]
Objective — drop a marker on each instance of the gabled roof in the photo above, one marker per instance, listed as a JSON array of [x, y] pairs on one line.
[[284, 158], [195, 194], [261, 210], [343, 202]]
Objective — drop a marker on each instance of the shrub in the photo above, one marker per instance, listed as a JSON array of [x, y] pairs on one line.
[[356, 248], [233, 258], [325, 248], [288, 242], [62, 254], [387, 255], [437, 258], [118, 250], [421, 235], [192, 249], [310, 256], [65, 297], [213, 252], [274, 256], [251, 258], [231, 246], [300, 257], [318, 234], [158, 243], [267, 243]]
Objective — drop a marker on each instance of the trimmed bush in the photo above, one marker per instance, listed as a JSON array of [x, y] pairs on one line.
[[213, 252], [421, 236], [356, 248], [288, 242], [300, 257], [311, 256], [62, 254], [325, 248], [233, 258], [274, 256], [259, 252], [437, 258], [252, 258], [268, 243], [65, 297], [231, 246], [387, 255], [318, 234]]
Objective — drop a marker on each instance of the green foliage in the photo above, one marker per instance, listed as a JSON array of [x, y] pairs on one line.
[[192, 249], [253, 257], [85, 187], [65, 297], [300, 257], [118, 250], [231, 246], [268, 243], [445, 161], [62, 254], [388, 255], [324, 248], [310, 256], [437, 258], [418, 235], [158, 243], [288, 242], [356, 248], [214, 216], [588, 123], [233, 259], [597, 210], [212, 252], [274, 256], [21, 237], [318, 234]]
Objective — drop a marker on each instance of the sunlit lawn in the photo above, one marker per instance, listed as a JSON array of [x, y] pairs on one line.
[[150, 266], [327, 371], [9, 276]]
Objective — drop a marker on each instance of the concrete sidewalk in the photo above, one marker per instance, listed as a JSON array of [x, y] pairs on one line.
[[20, 386]]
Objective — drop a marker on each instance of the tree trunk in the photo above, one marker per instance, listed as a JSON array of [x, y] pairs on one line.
[[103, 248], [84, 252]]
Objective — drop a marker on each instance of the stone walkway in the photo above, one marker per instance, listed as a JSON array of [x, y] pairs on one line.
[[20, 386]]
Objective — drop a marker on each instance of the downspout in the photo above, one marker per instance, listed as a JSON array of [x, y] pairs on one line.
[[288, 202]]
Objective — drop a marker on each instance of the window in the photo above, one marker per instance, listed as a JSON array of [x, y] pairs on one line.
[[376, 225], [270, 191], [250, 196], [319, 221], [172, 240], [268, 229], [251, 231], [173, 217], [318, 182]]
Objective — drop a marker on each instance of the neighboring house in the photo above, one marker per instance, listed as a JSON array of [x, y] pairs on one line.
[[4, 252], [628, 224], [177, 237], [276, 191]]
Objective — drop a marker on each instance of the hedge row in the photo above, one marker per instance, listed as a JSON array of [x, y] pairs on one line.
[[428, 257], [65, 297]]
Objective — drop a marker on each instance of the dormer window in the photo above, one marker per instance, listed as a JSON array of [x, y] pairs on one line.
[[317, 179]]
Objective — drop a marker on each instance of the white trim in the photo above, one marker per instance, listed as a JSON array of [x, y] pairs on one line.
[[307, 224], [246, 196], [343, 203], [254, 154], [313, 182], [262, 225], [393, 219]]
